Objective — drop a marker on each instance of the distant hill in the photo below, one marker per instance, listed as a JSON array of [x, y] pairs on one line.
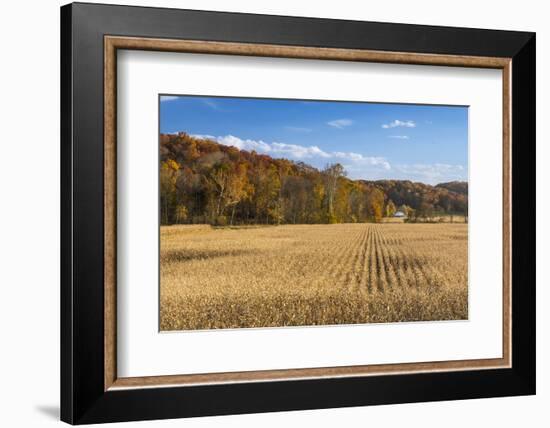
[[445, 197], [202, 181], [455, 186]]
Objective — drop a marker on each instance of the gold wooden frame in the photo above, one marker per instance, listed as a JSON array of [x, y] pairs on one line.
[[113, 43]]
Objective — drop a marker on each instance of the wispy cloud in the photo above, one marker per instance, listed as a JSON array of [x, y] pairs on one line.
[[396, 123], [168, 98], [340, 123], [399, 137], [313, 154], [297, 129], [211, 103], [358, 166], [432, 173]]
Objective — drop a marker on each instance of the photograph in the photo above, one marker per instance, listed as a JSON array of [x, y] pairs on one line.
[[281, 212], [262, 212]]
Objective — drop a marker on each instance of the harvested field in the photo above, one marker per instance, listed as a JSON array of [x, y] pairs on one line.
[[297, 275]]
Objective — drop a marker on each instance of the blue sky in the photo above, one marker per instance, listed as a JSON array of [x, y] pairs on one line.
[[372, 140]]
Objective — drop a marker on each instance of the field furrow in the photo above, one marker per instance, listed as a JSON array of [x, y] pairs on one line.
[[355, 275], [339, 270], [372, 263], [389, 272]]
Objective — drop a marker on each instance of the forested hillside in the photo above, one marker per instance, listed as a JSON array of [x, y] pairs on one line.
[[427, 201], [202, 181], [455, 186]]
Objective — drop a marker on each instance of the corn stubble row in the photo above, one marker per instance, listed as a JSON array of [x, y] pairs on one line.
[[312, 275]]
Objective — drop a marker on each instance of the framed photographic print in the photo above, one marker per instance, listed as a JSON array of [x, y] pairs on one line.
[[266, 213]]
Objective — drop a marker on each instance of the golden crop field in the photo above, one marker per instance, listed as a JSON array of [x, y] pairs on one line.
[[296, 275]]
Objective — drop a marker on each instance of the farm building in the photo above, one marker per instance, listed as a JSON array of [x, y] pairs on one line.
[[399, 214]]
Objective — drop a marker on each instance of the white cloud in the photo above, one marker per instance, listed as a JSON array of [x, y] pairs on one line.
[[168, 98], [399, 137], [203, 136], [432, 173], [312, 154], [358, 166], [396, 123], [340, 123]]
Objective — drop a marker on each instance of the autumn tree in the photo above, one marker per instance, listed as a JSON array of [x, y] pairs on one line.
[[191, 192], [357, 203], [375, 204], [408, 211], [296, 194], [180, 214], [169, 171], [283, 170], [331, 174], [266, 189], [390, 208], [237, 188]]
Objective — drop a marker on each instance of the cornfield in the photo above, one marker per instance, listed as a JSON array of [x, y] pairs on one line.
[[299, 275]]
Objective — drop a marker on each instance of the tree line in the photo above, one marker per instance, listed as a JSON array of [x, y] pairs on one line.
[[202, 181]]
